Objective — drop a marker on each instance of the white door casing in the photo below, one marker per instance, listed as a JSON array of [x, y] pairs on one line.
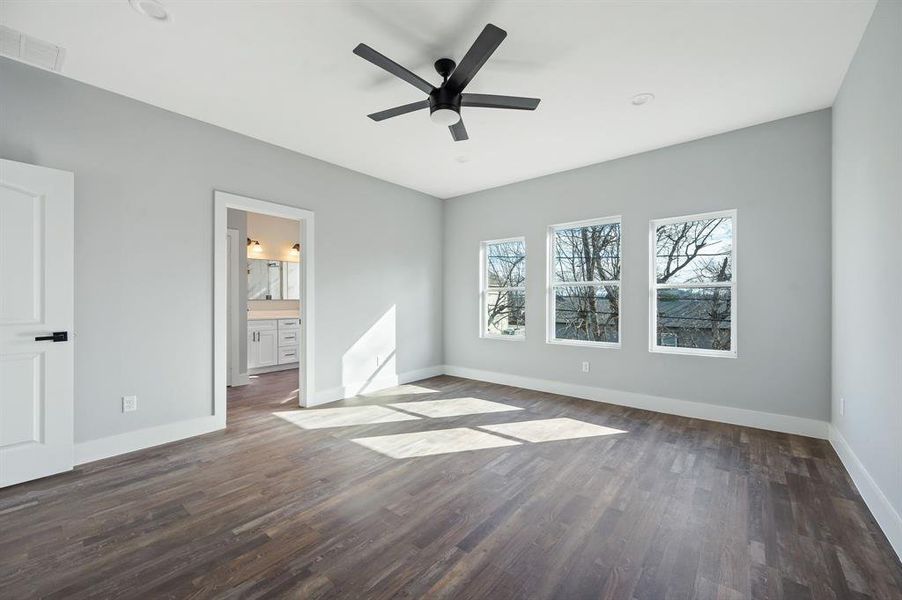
[[232, 306], [36, 299], [222, 201]]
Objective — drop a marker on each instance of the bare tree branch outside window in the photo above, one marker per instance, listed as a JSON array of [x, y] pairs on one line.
[[586, 284], [694, 273], [504, 300]]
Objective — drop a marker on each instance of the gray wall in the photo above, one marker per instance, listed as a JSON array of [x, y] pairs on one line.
[[867, 258], [144, 189], [778, 177]]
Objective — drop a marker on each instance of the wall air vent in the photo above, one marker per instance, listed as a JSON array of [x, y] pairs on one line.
[[19, 46]]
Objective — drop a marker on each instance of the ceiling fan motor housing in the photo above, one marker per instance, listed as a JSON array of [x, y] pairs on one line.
[[442, 98]]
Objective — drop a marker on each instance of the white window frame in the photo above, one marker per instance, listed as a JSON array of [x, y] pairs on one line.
[[484, 291], [551, 285], [654, 286]]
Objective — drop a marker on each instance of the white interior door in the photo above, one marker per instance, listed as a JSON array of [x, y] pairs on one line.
[[36, 316]]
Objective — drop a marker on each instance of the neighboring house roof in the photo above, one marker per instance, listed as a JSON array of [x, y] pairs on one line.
[[673, 313], [684, 313]]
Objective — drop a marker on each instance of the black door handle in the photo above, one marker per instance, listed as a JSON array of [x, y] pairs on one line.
[[56, 336]]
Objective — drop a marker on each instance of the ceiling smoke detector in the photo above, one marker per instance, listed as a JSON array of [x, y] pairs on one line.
[[22, 47], [644, 98], [152, 9]]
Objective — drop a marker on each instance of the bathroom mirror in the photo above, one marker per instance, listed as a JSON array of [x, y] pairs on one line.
[[272, 279]]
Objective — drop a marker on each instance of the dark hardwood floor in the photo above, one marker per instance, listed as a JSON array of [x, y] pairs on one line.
[[649, 506]]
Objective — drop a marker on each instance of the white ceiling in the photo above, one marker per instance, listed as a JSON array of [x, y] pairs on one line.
[[283, 72]]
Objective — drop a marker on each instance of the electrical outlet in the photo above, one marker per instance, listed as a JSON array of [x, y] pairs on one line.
[[129, 403], [842, 406], [585, 366]]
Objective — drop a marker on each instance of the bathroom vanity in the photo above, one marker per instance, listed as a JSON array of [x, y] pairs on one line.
[[273, 340]]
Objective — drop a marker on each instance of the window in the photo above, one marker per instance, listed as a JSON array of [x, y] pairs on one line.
[[693, 285], [584, 283], [503, 289]]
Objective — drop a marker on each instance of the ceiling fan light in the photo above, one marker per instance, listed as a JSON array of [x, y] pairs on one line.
[[445, 117]]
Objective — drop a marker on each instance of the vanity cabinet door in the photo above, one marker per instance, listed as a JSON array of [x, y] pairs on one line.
[[253, 349], [262, 344], [268, 340]]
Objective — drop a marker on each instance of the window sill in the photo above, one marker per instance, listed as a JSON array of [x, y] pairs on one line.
[[584, 344], [693, 352]]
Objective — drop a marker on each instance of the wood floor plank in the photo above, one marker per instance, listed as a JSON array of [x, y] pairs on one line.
[[667, 508]]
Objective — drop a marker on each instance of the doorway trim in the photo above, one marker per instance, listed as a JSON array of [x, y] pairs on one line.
[[234, 375], [222, 202]]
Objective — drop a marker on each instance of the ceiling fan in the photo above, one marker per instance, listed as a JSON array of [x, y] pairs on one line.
[[444, 102]]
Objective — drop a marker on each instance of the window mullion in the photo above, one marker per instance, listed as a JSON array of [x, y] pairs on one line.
[[695, 285], [585, 283]]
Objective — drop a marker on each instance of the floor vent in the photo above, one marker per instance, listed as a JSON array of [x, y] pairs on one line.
[[19, 46]]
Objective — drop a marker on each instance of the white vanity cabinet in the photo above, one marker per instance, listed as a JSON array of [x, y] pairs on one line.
[[262, 343], [289, 340], [272, 342]]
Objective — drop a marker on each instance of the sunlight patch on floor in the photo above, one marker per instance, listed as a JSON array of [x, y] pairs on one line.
[[344, 416], [428, 443], [401, 390], [453, 407], [293, 396], [547, 430]]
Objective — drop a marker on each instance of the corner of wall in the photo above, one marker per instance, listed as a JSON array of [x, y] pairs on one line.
[[880, 506]]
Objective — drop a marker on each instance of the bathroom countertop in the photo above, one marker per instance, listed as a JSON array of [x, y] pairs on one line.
[[256, 315]]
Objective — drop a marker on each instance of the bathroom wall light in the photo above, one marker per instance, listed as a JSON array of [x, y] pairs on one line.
[[254, 245], [296, 250]]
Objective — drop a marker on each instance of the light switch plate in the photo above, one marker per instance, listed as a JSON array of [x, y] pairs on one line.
[[129, 403]]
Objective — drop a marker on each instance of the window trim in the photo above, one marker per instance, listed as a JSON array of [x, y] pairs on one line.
[[550, 298], [484, 290], [654, 286]]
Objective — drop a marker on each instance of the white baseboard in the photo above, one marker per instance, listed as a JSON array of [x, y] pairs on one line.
[[887, 516], [140, 439], [382, 382], [672, 406]]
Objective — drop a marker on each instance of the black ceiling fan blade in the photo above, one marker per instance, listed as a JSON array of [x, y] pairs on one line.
[[489, 40], [383, 62], [493, 101], [399, 110], [458, 131]]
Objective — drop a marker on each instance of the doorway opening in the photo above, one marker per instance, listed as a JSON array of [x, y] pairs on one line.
[[263, 304]]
